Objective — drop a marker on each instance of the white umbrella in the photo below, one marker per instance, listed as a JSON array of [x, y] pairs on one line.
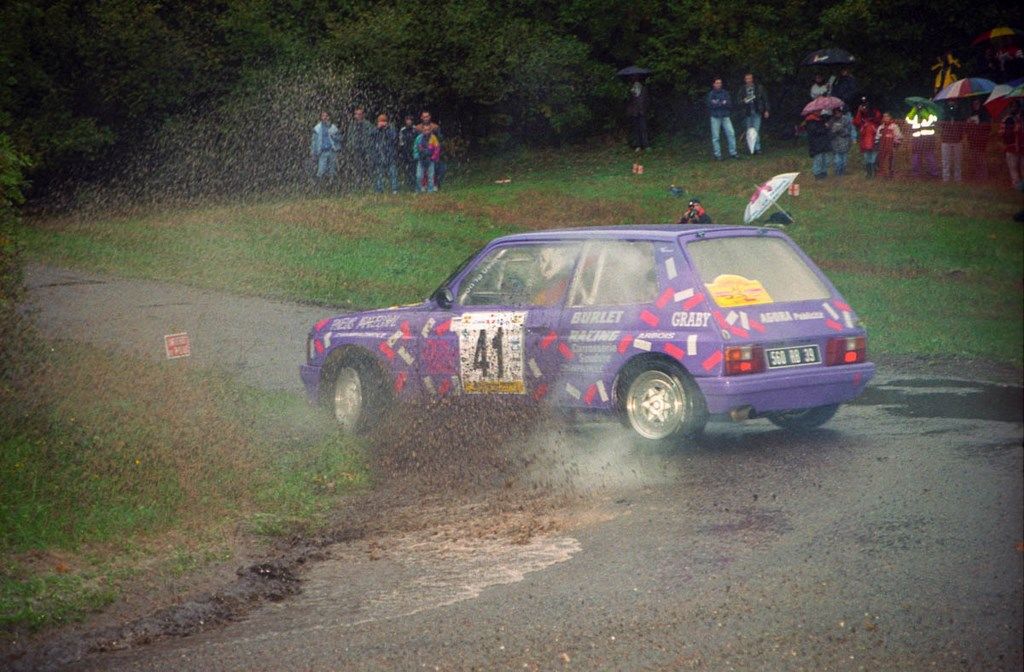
[[766, 196], [751, 139]]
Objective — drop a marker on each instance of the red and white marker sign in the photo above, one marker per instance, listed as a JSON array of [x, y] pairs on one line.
[[177, 345], [794, 189]]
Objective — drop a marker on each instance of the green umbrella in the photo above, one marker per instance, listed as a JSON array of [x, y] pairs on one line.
[[925, 104]]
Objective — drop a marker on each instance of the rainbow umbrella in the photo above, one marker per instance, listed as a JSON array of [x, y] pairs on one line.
[[995, 33], [964, 88], [1001, 96]]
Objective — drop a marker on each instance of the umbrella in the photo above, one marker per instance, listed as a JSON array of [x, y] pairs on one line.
[[924, 104], [766, 195], [751, 139], [964, 88], [829, 57], [1001, 96], [995, 33], [821, 104], [633, 71]]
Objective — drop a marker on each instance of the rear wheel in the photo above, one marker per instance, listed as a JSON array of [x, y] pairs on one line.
[[356, 394], [661, 403], [804, 419]]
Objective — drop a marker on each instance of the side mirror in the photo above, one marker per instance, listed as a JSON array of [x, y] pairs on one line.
[[444, 298]]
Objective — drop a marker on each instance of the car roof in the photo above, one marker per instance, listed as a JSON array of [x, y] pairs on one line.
[[664, 232]]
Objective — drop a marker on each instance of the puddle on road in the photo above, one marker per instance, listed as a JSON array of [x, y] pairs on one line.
[[943, 398]]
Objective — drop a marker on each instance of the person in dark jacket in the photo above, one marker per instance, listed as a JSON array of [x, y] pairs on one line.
[[636, 110], [845, 89], [753, 101], [719, 104], [407, 164], [384, 143], [819, 144]]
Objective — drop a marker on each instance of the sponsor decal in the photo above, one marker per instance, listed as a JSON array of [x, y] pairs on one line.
[[591, 336], [343, 323], [730, 291], [687, 319], [377, 321], [776, 316], [658, 335], [597, 317]]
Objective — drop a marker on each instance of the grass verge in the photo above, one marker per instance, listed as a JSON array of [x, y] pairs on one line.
[[112, 466], [933, 268]]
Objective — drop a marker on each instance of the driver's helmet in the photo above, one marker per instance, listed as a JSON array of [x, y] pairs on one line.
[[553, 260]]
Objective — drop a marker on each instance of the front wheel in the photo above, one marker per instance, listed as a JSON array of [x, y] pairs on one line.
[[804, 419], [356, 396], [661, 403]]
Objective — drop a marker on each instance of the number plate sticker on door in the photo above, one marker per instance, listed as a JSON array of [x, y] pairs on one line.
[[491, 352], [798, 355]]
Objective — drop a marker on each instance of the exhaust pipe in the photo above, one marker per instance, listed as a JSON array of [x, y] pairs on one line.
[[742, 413]]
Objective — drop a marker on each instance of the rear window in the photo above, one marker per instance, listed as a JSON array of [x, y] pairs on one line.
[[747, 270]]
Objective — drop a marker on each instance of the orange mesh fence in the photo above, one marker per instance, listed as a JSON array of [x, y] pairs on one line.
[[956, 151]]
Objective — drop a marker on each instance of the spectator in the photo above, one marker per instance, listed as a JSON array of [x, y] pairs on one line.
[[1013, 142], [357, 146], [976, 134], [865, 111], [406, 138], [821, 86], [695, 214], [636, 110], [888, 138], [866, 120], [951, 148], [819, 145], [840, 131], [922, 141], [324, 148], [754, 101], [428, 124], [384, 141], [719, 107], [427, 152], [845, 89]]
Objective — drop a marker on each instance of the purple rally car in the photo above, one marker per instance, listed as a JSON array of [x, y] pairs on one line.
[[660, 325]]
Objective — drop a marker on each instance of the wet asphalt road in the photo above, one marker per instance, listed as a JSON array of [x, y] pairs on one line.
[[889, 540]]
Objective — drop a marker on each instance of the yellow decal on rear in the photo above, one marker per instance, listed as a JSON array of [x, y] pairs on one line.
[[730, 291]]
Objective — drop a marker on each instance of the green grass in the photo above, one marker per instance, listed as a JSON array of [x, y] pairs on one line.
[[106, 463], [933, 269]]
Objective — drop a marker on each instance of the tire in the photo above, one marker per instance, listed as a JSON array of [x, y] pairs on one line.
[[356, 394], [803, 420], [661, 403]]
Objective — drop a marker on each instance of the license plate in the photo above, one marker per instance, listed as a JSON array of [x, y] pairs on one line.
[[798, 355]]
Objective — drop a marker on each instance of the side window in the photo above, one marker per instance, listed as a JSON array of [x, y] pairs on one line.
[[523, 275], [615, 273]]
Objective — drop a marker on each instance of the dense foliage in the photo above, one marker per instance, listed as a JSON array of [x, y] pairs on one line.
[[85, 83]]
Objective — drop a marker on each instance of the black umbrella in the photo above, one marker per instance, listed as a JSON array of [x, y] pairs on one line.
[[829, 57], [633, 71]]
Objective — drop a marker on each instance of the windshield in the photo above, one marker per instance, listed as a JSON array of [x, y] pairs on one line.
[[747, 270], [458, 269]]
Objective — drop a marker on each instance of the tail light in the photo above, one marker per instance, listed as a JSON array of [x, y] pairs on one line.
[[846, 350], [742, 359]]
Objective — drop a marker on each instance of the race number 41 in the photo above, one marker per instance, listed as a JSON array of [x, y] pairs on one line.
[[491, 352]]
